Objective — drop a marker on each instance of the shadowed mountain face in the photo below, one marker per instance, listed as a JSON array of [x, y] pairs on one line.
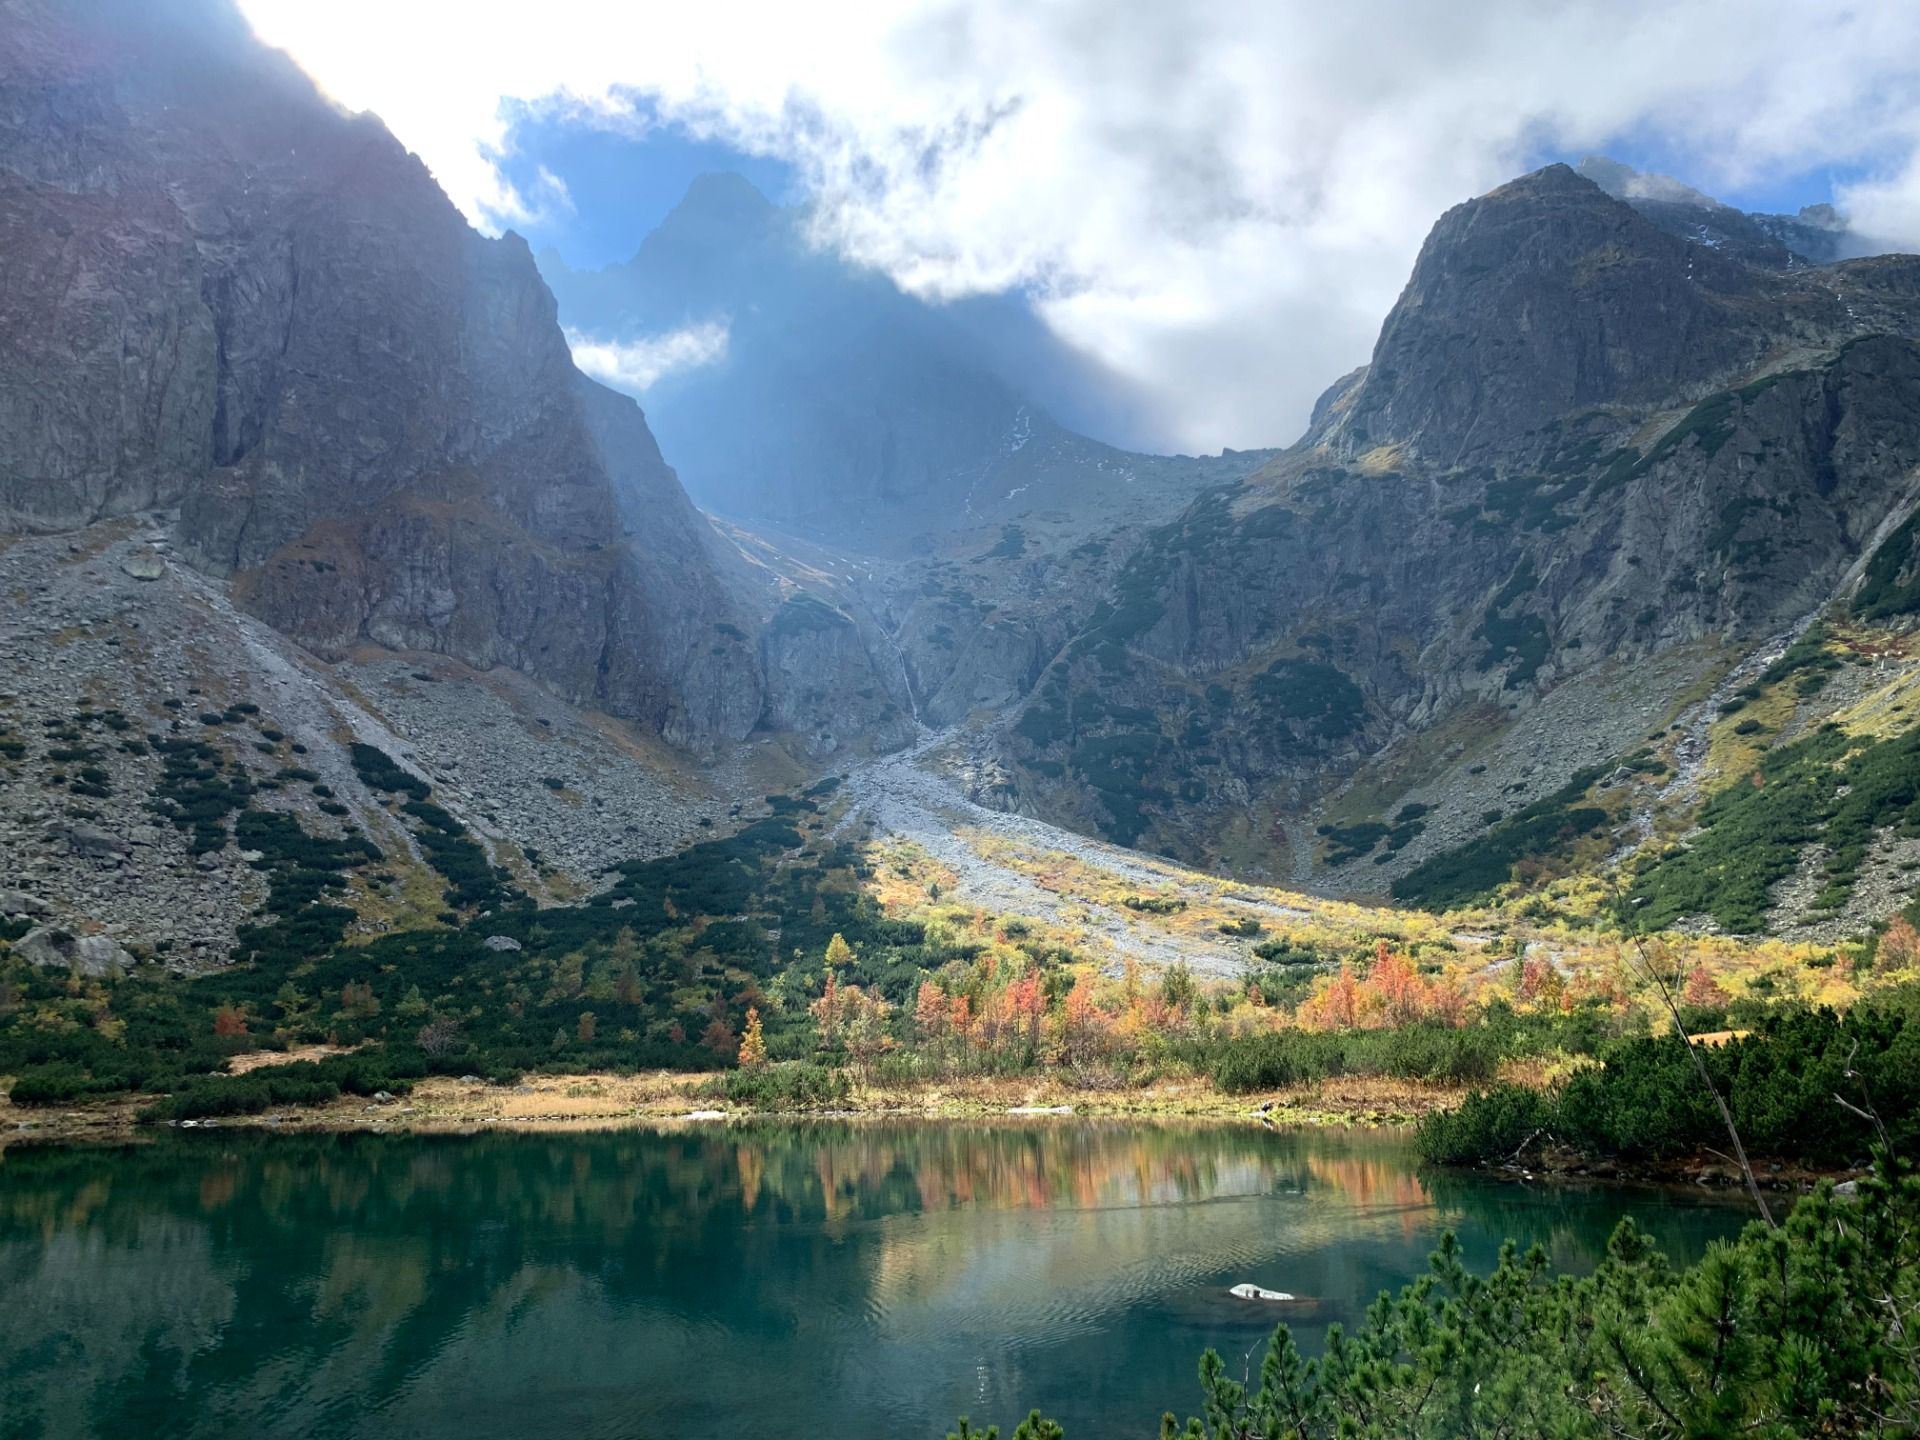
[[223, 295], [843, 408], [1589, 462], [1536, 300]]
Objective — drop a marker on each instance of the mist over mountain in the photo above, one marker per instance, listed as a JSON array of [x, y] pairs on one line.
[[1814, 235], [803, 389]]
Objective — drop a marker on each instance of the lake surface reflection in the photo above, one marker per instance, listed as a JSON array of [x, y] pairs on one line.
[[767, 1280]]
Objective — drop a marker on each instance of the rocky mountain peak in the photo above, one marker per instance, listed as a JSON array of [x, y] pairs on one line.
[[721, 197], [1623, 182], [233, 299], [1535, 300], [721, 234], [844, 408]]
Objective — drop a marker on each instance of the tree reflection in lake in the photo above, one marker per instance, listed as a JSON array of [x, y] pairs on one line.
[[845, 1279]]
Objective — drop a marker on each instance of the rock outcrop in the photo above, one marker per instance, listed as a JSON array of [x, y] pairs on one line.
[[224, 295], [1584, 446], [94, 956]]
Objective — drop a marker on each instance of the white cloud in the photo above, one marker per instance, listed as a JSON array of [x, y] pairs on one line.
[[1219, 198], [553, 196], [635, 366], [1885, 208]]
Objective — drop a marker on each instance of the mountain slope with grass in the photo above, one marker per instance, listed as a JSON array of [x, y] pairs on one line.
[[1593, 471], [372, 681]]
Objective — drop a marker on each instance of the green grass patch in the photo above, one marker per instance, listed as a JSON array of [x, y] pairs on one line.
[[1471, 872]]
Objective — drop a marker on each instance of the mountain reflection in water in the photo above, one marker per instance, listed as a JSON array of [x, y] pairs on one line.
[[843, 1279]]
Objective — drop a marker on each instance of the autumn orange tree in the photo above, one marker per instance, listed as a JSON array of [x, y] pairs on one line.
[[753, 1043], [718, 1038], [1899, 947], [1702, 990], [1392, 993], [1084, 1031]]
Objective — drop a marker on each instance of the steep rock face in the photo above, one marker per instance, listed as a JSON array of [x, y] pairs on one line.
[[222, 294], [111, 354], [1541, 298], [1664, 449], [679, 597], [823, 681]]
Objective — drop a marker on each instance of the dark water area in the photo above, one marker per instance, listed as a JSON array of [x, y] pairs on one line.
[[769, 1280]]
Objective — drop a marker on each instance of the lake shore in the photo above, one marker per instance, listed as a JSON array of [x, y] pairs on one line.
[[599, 1101], [664, 1099]]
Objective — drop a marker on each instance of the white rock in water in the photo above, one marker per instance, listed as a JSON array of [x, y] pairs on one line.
[[705, 1115], [1255, 1292], [1041, 1110]]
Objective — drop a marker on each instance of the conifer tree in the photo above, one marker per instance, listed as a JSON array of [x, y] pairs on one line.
[[753, 1044]]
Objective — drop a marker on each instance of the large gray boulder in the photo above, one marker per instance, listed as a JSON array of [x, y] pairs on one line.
[[93, 842], [144, 565], [18, 902], [95, 956]]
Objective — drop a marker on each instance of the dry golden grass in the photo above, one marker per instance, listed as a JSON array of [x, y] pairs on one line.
[[902, 873], [561, 1103], [267, 1059], [98, 1120], [1714, 1039], [1892, 707], [1730, 754]]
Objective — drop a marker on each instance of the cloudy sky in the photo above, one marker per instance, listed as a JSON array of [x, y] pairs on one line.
[[1218, 199]]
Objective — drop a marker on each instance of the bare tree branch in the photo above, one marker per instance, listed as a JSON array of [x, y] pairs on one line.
[[1665, 990]]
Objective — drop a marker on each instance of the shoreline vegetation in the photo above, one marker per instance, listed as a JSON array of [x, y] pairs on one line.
[[1637, 1115], [806, 971], [562, 1103], [1788, 1332], [782, 972], [600, 1100]]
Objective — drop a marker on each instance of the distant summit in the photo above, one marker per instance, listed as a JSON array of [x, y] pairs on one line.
[[1623, 182], [1817, 235], [846, 408], [722, 196]]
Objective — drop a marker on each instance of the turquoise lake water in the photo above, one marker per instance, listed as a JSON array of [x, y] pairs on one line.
[[766, 1280]]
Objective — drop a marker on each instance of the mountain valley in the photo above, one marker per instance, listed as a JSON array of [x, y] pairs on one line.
[[639, 801], [1616, 527]]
